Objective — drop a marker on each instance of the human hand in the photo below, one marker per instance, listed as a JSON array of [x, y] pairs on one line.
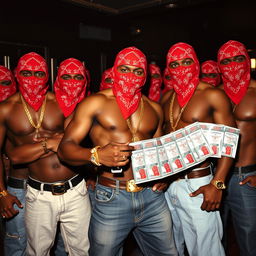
[[250, 179], [161, 186], [115, 154], [212, 197], [6, 205]]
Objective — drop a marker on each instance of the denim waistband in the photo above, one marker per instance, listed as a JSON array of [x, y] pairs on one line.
[[244, 169]]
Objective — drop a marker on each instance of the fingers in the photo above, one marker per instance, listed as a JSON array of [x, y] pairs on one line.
[[196, 193], [9, 212], [245, 181]]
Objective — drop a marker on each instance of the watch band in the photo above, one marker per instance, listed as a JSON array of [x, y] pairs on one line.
[[94, 156]]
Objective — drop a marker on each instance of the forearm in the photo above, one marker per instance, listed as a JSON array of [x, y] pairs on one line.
[[26, 153], [223, 167], [73, 154]]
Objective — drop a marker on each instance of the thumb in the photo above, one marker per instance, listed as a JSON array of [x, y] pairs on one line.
[[245, 181], [19, 204], [196, 193]]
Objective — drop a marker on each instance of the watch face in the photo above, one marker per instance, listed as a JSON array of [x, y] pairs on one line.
[[219, 184]]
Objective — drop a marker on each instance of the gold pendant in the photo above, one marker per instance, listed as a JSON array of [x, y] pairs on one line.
[[135, 138], [36, 134]]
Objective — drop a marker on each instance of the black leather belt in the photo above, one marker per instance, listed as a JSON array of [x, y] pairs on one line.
[[17, 183], [57, 188], [244, 169]]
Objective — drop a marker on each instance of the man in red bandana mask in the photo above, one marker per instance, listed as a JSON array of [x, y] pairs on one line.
[[210, 73], [70, 85], [155, 82], [33, 122], [240, 200], [193, 101], [106, 79], [7, 83], [113, 118]]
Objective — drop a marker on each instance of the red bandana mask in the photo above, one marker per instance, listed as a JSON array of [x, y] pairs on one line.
[[33, 89], [70, 92], [108, 73], [167, 82], [6, 90], [184, 78], [155, 83], [235, 75], [209, 67], [127, 87]]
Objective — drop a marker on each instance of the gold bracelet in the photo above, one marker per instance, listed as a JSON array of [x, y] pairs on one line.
[[94, 156], [44, 145], [3, 193]]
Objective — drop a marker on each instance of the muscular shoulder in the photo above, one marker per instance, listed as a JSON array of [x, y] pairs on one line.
[[7, 105], [153, 105]]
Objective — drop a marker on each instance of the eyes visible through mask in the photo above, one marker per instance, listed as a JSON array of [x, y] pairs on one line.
[[183, 62], [70, 76], [108, 80], [156, 76], [238, 58], [5, 82], [210, 75], [28, 73], [124, 69]]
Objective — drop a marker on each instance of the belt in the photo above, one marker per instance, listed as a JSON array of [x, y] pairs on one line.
[[244, 169], [196, 174], [128, 185], [57, 188], [17, 183]]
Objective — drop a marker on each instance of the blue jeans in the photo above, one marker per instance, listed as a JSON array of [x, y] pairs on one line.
[[201, 231], [240, 201], [117, 212], [15, 238]]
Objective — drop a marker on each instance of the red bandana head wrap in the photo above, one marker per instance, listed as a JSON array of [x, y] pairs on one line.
[[184, 78], [167, 82], [108, 73], [210, 67], [6, 90], [155, 83], [235, 75], [70, 92], [127, 87], [32, 88]]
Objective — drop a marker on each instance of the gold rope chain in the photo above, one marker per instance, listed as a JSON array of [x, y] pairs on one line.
[[134, 131], [41, 117], [174, 126]]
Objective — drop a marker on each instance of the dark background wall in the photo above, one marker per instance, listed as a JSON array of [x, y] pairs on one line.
[[52, 28]]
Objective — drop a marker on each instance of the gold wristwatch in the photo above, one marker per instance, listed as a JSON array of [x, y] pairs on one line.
[[94, 156], [219, 184], [3, 193]]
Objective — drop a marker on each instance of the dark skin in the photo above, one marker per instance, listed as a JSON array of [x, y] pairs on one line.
[[27, 148], [210, 105], [245, 117], [100, 117]]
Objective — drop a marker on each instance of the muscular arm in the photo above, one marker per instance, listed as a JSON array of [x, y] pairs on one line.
[[222, 114], [70, 150]]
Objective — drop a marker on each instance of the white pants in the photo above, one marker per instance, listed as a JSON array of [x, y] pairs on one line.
[[44, 210], [201, 230]]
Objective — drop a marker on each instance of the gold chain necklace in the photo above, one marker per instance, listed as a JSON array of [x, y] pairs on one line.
[[41, 116], [174, 126], [134, 131]]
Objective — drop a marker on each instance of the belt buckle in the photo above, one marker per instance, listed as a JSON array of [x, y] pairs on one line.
[[132, 187], [58, 188]]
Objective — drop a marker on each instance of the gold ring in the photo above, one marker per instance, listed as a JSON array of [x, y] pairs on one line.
[[124, 157]]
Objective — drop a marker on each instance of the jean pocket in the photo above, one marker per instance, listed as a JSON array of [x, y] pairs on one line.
[[81, 188], [195, 183], [104, 194], [32, 194]]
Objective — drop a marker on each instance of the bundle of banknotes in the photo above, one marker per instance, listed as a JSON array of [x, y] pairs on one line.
[[177, 151]]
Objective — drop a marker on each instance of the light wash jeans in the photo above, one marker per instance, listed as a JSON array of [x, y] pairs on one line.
[[43, 211], [15, 242], [240, 201], [117, 212], [201, 231]]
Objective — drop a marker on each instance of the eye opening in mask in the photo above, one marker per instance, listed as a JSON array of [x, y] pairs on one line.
[[237, 58], [210, 75], [125, 69], [29, 73], [5, 82], [184, 62], [72, 76]]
